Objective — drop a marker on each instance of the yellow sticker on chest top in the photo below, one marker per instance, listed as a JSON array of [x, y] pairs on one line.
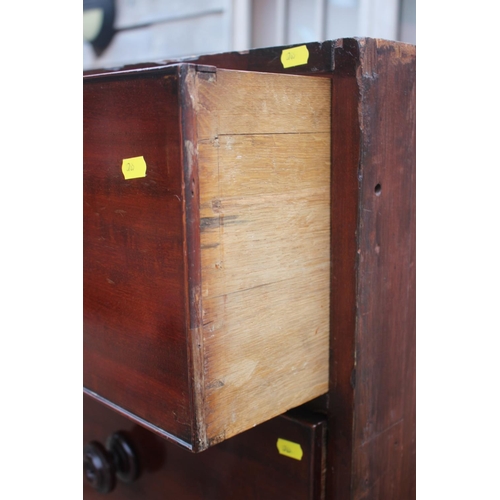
[[289, 449], [295, 57], [133, 168]]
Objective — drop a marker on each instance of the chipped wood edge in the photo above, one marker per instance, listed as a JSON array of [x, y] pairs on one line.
[[188, 97]]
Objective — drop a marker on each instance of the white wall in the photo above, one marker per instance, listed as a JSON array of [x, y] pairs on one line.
[[281, 22], [150, 30], [153, 30]]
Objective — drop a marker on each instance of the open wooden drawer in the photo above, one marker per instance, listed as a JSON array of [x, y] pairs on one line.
[[206, 246]]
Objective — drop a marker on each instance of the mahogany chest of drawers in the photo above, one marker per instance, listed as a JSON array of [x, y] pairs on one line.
[[250, 248]]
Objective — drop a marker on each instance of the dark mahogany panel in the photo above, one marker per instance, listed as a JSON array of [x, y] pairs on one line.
[[371, 401], [247, 466], [345, 200], [384, 395], [135, 348]]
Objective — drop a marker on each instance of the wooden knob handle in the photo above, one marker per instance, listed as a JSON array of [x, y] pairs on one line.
[[102, 465], [124, 457], [98, 467]]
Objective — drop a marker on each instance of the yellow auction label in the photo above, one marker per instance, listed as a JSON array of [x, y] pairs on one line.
[[294, 57], [133, 168], [289, 449]]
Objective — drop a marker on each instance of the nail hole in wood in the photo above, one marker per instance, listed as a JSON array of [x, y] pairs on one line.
[[378, 189]]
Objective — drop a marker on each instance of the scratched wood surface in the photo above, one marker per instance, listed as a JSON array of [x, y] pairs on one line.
[[264, 169], [384, 396], [371, 400]]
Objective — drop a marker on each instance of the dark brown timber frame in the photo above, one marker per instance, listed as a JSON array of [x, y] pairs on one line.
[[371, 403]]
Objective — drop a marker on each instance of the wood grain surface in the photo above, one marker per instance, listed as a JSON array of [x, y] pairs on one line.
[[264, 169], [134, 341], [265, 238], [206, 280]]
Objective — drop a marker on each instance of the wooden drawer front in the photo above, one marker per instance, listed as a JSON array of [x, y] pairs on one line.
[[247, 466], [206, 281]]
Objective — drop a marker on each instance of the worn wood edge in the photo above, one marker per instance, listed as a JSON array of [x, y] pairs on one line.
[[379, 59], [138, 420], [370, 49], [320, 447], [191, 201], [344, 222]]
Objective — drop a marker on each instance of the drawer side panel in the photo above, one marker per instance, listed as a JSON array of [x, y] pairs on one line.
[[134, 340], [264, 163]]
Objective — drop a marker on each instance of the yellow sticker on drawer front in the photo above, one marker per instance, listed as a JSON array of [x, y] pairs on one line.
[[133, 168], [294, 57], [289, 449]]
